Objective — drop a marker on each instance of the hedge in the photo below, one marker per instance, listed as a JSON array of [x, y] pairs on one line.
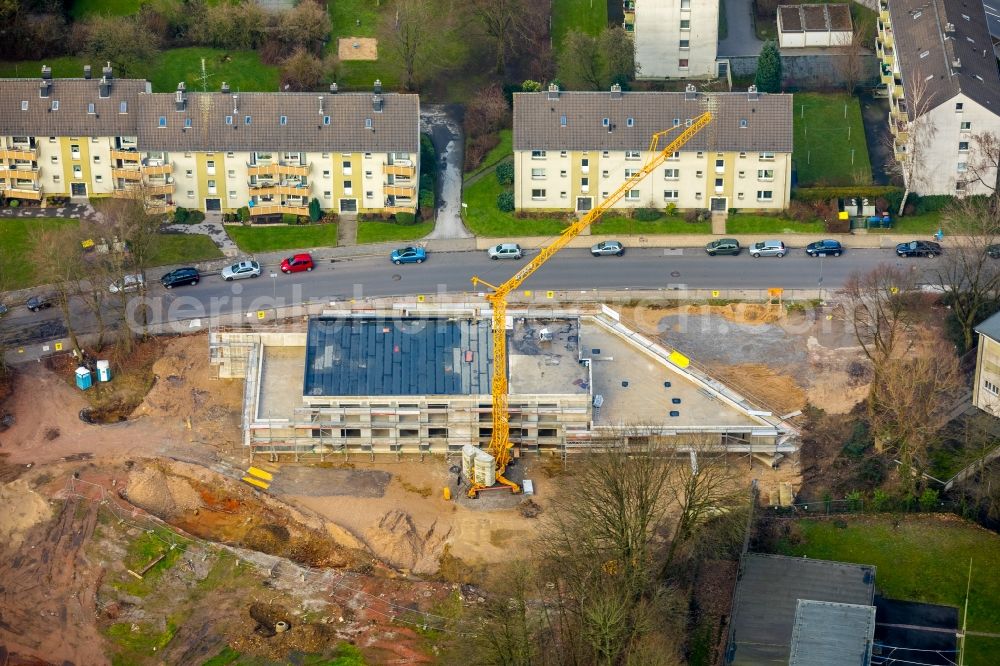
[[870, 192], [405, 218]]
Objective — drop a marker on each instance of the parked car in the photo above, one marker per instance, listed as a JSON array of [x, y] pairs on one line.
[[243, 269], [409, 255], [993, 251], [918, 248], [36, 303], [127, 283], [723, 246], [605, 248], [3, 309], [768, 248], [180, 276], [506, 251], [824, 247], [297, 263]]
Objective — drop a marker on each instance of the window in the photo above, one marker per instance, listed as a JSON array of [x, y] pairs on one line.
[[685, 24], [630, 172], [683, 63], [742, 174], [190, 194], [699, 174], [562, 195], [965, 126], [24, 105], [563, 153], [232, 194], [604, 174], [718, 185], [98, 178], [283, 120], [231, 173], [685, 5], [327, 194], [55, 159], [562, 121], [630, 122], [347, 186], [963, 146], [685, 43], [189, 173], [960, 186], [632, 195], [211, 187], [740, 196], [210, 167], [55, 105], [55, 178], [123, 107], [562, 173], [743, 123], [75, 151], [537, 194], [246, 120], [538, 154], [77, 171], [90, 108], [766, 157], [959, 106], [765, 195], [368, 174], [675, 156], [162, 121], [605, 153], [326, 174], [326, 120], [537, 174], [991, 387], [671, 195], [187, 123], [677, 122], [632, 155], [765, 174], [585, 184], [606, 122], [585, 164], [546, 432], [97, 159], [697, 195], [720, 166], [229, 120], [671, 174], [369, 194], [743, 156], [963, 167]]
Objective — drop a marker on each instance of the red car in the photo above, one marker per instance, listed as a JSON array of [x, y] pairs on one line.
[[297, 264]]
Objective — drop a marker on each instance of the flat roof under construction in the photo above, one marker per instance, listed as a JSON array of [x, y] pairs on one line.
[[404, 356]]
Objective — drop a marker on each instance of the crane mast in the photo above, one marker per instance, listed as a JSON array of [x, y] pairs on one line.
[[500, 445]]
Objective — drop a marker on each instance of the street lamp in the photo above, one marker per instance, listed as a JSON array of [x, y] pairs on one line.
[[274, 293], [820, 281]]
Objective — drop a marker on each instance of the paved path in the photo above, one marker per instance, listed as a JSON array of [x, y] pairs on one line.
[[347, 230], [446, 133], [741, 39], [211, 227], [73, 211]]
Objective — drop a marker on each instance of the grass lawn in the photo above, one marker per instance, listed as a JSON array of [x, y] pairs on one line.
[[503, 149], [822, 152], [746, 223], [16, 248], [919, 225], [62, 67], [379, 232], [274, 238], [354, 18], [484, 218], [590, 16], [665, 225], [184, 249], [84, 8], [925, 559]]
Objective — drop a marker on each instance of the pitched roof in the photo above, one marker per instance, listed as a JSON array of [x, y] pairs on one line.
[[990, 327], [72, 117], [945, 46], [576, 120], [394, 129]]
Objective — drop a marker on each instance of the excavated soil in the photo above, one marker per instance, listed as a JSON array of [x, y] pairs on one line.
[[23, 508]]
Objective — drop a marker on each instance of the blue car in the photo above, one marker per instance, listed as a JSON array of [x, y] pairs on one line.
[[409, 255]]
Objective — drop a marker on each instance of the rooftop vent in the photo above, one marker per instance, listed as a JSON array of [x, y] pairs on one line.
[[333, 88], [956, 63], [180, 97], [44, 88], [105, 87], [320, 98], [553, 93], [87, 72], [236, 104], [616, 91], [690, 92], [377, 101], [46, 72], [107, 72], [949, 27], [225, 88], [752, 93]]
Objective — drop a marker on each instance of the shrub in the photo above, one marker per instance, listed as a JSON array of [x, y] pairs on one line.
[[315, 210], [880, 500], [426, 199], [671, 209], [928, 499], [647, 214], [505, 174], [505, 201], [14, 203], [405, 218], [932, 203], [289, 218], [691, 215], [854, 500], [181, 215], [428, 156], [800, 211], [870, 192], [243, 214], [195, 216]]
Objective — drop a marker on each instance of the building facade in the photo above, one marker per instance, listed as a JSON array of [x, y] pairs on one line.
[[944, 91], [270, 152], [572, 149], [674, 39], [986, 386]]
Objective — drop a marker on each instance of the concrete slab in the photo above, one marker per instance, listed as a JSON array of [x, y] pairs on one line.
[[537, 366], [281, 377]]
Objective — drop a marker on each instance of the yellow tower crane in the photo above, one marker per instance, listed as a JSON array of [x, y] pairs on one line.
[[500, 444]]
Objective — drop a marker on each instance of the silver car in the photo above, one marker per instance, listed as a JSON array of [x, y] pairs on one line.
[[605, 248], [768, 248], [244, 269], [506, 251]]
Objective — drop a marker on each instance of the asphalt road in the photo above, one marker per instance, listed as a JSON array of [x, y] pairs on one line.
[[451, 273]]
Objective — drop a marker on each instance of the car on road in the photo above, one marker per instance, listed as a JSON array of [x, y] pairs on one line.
[[918, 248], [238, 271], [506, 251], [127, 283], [605, 248], [768, 248], [3, 309], [409, 255], [36, 303], [993, 251], [723, 246], [824, 247], [297, 263], [180, 276]]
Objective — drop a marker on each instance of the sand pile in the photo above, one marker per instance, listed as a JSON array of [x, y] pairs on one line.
[[23, 509], [161, 494], [762, 384], [397, 541]]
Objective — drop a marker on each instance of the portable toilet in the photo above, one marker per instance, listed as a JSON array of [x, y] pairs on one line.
[[104, 371], [83, 378]]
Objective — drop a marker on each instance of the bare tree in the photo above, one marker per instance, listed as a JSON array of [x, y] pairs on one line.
[[966, 274], [138, 230], [851, 60], [910, 156], [508, 24], [984, 165], [92, 283], [58, 257], [5, 284], [422, 35], [580, 63]]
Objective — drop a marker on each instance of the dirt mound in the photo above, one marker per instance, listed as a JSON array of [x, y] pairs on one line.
[[162, 494], [762, 384], [647, 319], [23, 509], [397, 541]]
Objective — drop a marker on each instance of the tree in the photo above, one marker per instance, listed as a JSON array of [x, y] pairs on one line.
[[915, 135], [768, 76], [852, 57], [306, 26], [124, 41], [618, 51], [580, 62], [315, 210], [132, 225], [421, 34], [92, 283], [302, 71], [508, 24], [58, 257], [226, 25], [486, 114], [984, 165]]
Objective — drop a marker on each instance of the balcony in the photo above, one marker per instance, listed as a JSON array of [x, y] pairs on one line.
[[400, 169], [19, 171], [399, 209], [897, 88], [900, 130], [150, 190], [127, 174], [127, 155], [277, 169], [158, 169], [274, 189], [400, 190], [23, 192], [258, 210], [155, 206], [19, 153]]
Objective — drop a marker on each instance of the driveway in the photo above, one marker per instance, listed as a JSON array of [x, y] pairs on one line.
[[741, 39], [444, 125]]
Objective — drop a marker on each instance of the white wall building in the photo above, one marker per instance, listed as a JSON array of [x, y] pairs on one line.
[[676, 39]]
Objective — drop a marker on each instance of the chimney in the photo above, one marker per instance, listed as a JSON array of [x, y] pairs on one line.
[[44, 88], [320, 98], [105, 87], [377, 101], [225, 88], [46, 72], [378, 87], [333, 88], [107, 72], [752, 94], [87, 72], [690, 92], [553, 93], [236, 104], [616, 91], [180, 98], [949, 27]]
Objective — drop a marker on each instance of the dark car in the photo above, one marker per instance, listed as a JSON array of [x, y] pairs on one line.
[[297, 263], [993, 251], [36, 303], [180, 276], [918, 248], [824, 247], [723, 246]]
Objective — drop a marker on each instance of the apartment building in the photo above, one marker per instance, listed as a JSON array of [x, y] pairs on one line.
[[986, 385], [215, 151], [938, 64], [572, 149], [674, 39]]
